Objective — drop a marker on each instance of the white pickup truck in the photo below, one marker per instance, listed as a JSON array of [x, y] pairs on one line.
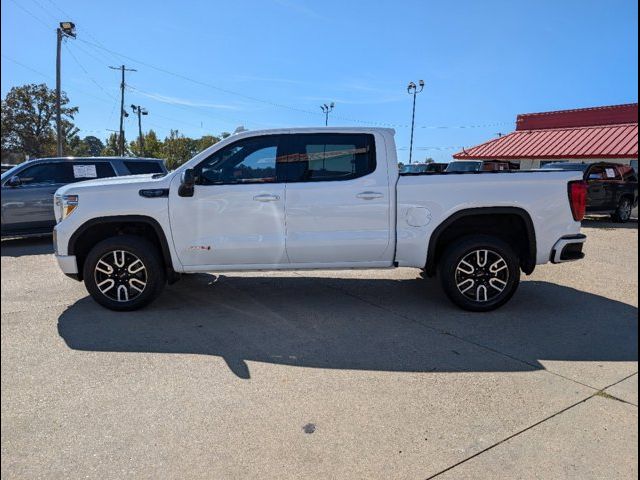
[[315, 198]]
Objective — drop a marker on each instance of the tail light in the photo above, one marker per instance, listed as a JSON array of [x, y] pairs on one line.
[[578, 199]]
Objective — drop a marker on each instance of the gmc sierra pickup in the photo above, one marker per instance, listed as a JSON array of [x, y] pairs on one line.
[[316, 198]]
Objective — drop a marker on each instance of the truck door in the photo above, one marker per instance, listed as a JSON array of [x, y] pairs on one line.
[[596, 194], [236, 215], [613, 185], [338, 200]]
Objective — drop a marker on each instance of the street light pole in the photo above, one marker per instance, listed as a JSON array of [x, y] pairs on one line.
[[66, 29], [412, 89], [326, 109], [140, 111]]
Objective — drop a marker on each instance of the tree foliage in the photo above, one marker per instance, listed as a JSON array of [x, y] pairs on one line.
[[28, 120], [29, 130]]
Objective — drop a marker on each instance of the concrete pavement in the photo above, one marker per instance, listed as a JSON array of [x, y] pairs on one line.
[[360, 374]]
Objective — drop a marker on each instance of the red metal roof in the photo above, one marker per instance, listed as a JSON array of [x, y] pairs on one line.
[[566, 135], [582, 117]]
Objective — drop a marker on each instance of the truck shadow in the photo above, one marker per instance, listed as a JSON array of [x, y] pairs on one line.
[[607, 224], [20, 247], [363, 324]]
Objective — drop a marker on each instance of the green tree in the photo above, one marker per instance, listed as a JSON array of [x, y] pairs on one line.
[[110, 148], [152, 146], [177, 149], [28, 120], [93, 145], [205, 142]]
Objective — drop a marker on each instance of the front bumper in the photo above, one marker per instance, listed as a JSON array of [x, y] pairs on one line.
[[568, 249], [68, 265]]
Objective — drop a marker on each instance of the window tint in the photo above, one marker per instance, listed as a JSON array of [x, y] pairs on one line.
[[65, 172], [44, 174], [139, 167], [325, 157], [252, 160]]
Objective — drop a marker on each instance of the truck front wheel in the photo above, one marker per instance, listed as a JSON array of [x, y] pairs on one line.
[[124, 273], [479, 272]]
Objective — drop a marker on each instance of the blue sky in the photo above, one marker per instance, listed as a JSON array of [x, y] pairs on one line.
[[207, 67]]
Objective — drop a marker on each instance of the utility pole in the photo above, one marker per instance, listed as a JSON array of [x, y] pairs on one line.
[[123, 113], [326, 109], [413, 90], [66, 29], [140, 111]]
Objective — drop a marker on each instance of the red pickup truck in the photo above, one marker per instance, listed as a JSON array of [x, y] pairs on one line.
[[613, 188]]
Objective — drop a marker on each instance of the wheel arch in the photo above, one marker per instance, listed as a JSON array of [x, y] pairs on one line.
[[97, 229], [463, 222]]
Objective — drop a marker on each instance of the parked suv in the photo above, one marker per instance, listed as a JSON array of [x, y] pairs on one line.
[[28, 188], [613, 188]]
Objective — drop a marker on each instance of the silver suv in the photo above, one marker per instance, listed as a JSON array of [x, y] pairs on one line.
[[28, 188]]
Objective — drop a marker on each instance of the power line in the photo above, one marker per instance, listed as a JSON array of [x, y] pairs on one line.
[[115, 55], [87, 73], [83, 32], [199, 109], [27, 67], [21, 7]]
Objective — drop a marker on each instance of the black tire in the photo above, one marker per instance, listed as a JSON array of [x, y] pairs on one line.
[[623, 212], [126, 287], [462, 266]]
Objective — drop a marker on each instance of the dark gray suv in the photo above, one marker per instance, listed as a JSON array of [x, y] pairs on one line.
[[28, 188]]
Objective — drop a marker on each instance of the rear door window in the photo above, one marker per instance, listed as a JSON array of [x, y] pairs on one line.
[[140, 167], [330, 157], [79, 171]]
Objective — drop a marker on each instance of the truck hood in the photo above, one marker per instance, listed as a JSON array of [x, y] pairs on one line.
[[116, 183]]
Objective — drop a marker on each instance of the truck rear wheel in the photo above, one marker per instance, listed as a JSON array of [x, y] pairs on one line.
[[124, 273], [479, 273], [623, 212]]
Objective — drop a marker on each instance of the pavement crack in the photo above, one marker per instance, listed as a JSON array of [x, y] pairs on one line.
[[491, 447]]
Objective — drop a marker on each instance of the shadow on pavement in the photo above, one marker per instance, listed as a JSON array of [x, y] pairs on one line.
[[607, 223], [363, 324], [19, 247]]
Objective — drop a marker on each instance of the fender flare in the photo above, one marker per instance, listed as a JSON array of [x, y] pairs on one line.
[[527, 266], [152, 222]]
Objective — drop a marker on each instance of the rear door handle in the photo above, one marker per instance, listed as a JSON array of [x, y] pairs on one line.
[[369, 195], [266, 198]]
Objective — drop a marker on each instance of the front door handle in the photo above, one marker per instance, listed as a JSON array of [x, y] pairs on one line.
[[369, 195], [265, 197]]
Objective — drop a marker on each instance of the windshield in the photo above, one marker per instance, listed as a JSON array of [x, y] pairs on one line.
[[9, 172], [414, 169], [464, 167], [579, 167]]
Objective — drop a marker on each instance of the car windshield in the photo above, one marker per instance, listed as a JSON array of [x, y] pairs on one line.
[[9, 173], [414, 169], [578, 167], [464, 167]]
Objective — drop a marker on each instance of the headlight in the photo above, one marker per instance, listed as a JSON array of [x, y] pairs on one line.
[[65, 205]]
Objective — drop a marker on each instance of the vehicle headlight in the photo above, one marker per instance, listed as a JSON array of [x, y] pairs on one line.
[[65, 205]]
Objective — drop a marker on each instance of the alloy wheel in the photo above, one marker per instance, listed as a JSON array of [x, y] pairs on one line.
[[120, 275], [482, 275]]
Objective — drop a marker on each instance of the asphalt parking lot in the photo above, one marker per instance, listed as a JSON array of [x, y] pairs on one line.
[[360, 374]]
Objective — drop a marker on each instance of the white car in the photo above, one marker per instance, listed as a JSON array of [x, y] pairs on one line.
[[315, 198]]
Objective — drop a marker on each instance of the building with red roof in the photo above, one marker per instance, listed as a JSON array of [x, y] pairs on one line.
[[608, 133]]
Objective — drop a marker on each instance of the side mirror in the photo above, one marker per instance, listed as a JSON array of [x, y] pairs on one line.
[[187, 183], [14, 181]]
